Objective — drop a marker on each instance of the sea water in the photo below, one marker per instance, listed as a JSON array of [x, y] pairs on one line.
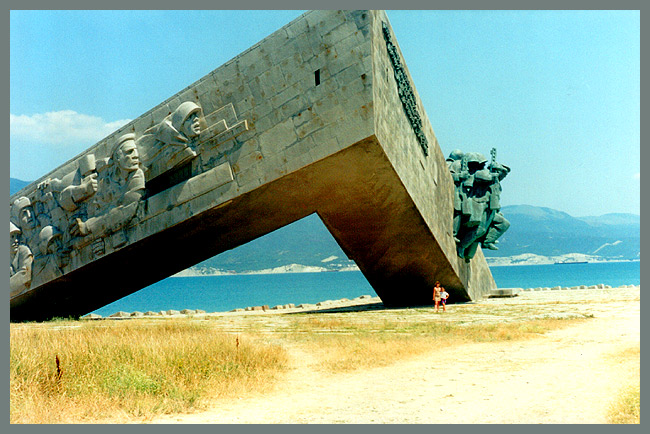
[[224, 293]]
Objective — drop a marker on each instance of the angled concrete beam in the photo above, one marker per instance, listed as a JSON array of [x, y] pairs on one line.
[[320, 117]]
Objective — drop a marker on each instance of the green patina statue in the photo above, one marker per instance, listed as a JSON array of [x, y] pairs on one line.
[[477, 216]]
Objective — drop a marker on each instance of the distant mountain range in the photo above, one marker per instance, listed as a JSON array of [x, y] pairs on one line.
[[15, 185], [536, 230], [547, 232]]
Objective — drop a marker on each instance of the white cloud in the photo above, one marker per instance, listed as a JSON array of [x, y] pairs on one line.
[[64, 127], [637, 176]]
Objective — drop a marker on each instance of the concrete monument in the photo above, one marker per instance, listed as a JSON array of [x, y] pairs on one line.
[[320, 117]]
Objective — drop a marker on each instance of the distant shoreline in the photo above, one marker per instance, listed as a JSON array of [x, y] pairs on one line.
[[515, 264], [520, 260]]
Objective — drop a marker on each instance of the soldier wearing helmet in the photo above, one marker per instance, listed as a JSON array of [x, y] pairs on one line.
[[185, 120], [48, 261], [20, 263], [454, 162], [22, 214], [455, 155], [480, 221], [475, 187], [499, 223], [170, 143]]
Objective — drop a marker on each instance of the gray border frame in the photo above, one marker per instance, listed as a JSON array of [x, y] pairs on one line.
[[293, 4]]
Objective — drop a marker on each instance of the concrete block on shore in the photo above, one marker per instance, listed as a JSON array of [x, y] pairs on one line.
[[91, 316], [188, 312], [278, 307], [556, 288], [151, 313], [137, 314], [120, 314], [238, 310], [306, 306], [173, 312], [504, 292]]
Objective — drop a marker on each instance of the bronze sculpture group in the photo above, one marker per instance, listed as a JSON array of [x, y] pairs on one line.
[[477, 215]]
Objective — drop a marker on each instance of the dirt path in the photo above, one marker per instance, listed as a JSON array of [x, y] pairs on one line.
[[564, 376]]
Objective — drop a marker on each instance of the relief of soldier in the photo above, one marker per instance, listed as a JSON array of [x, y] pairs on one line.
[[92, 204], [119, 190], [96, 200], [477, 216], [49, 260], [20, 263], [171, 142]]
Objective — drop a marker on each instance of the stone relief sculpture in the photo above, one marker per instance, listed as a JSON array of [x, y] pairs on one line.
[[477, 216], [65, 215], [20, 263], [50, 259], [23, 216], [70, 221], [171, 142], [120, 187]]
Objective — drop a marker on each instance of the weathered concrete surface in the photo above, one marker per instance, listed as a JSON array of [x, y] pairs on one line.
[[307, 121]]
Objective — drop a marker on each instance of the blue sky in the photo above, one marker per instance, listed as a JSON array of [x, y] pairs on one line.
[[556, 92]]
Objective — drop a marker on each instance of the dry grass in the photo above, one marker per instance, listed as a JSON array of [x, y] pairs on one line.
[[134, 370], [129, 368], [626, 408], [345, 345]]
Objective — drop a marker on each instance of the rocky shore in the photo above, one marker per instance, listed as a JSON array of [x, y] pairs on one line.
[[365, 301]]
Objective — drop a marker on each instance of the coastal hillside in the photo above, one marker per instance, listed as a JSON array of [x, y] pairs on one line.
[[539, 231], [15, 185], [547, 232]]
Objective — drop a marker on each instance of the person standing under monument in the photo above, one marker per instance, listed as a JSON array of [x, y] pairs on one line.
[[437, 295], [444, 295]]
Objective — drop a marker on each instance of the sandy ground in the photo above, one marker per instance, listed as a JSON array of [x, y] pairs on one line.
[[564, 376]]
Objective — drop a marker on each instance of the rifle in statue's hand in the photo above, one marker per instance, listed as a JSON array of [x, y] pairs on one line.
[[493, 157]]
